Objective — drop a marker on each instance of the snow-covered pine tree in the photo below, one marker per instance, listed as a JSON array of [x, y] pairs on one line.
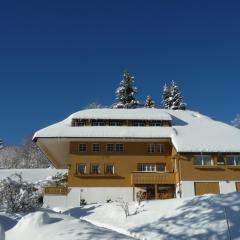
[[149, 103], [175, 99], [236, 121], [126, 92], [166, 97]]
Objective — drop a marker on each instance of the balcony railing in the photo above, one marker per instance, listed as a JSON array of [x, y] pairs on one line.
[[155, 178], [59, 190]]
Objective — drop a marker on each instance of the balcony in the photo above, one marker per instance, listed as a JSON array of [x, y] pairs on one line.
[[155, 178], [58, 190]]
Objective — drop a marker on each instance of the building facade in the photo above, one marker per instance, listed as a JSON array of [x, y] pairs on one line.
[[117, 153]]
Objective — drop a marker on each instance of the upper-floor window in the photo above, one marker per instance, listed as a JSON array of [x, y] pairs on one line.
[[82, 147], [139, 123], [155, 123], [115, 123], [220, 160], [78, 122], [233, 160], [95, 169], [151, 148], [152, 167], [96, 147], [98, 123], [159, 148], [109, 169], [203, 160], [161, 167], [110, 147], [119, 147], [81, 168]]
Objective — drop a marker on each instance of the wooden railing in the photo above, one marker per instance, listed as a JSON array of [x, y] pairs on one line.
[[59, 190], [154, 178]]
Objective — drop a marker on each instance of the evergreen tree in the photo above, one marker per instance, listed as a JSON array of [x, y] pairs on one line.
[[236, 121], [165, 97], [172, 98], [125, 93], [149, 103]]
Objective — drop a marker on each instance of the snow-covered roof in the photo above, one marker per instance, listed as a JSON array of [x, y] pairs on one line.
[[110, 113], [190, 131]]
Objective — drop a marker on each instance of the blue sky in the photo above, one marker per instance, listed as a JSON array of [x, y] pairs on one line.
[[58, 56]]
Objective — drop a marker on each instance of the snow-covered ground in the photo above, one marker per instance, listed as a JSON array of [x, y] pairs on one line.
[[201, 217]]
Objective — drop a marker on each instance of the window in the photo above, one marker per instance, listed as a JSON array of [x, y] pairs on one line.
[[150, 148], [109, 169], [95, 169], [138, 123], [98, 123], [96, 147], [115, 123], [147, 167], [110, 147], [119, 147], [220, 160], [155, 123], [202, 160], [81, 168], [82, 147], [161, 167], [160, 148], [78, 122], [233, 160]]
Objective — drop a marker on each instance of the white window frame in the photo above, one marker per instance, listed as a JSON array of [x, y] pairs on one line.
[[159, 148], [151, 148]]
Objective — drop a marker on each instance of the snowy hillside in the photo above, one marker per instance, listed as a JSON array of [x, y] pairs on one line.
[[195, 218]]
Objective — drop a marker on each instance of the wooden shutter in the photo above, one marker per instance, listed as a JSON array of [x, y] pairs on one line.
[[206, 187]]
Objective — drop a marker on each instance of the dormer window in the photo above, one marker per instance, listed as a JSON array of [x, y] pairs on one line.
[[98, 123], [139, 123], [115, 123]]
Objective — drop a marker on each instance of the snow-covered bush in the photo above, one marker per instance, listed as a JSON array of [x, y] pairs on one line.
[[17, 195], [141, 196], [60, 178], [83, 202], [125, 206]]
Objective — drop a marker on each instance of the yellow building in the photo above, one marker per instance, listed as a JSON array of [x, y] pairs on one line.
[[116, 153]]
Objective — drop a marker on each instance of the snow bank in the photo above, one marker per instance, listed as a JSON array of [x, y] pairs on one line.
[[201, 217], [51, 226]]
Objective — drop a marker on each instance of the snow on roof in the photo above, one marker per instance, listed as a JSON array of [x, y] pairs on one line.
[[109, 113], [190, 131]]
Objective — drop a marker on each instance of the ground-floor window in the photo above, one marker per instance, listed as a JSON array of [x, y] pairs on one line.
[[81, 168]]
